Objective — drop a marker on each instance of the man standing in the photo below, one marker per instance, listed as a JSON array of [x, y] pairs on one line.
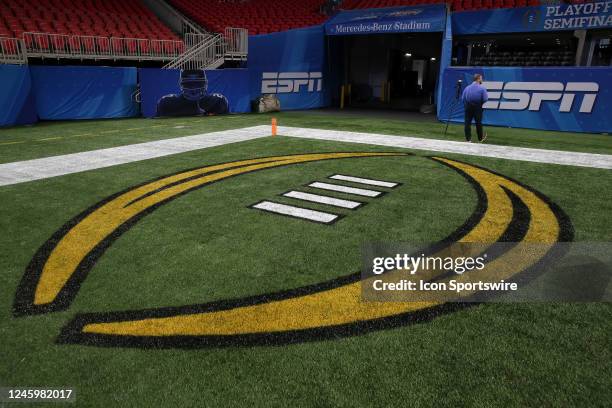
[[473, 97]]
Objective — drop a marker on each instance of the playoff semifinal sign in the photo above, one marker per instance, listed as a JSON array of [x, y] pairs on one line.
[[532, 19]]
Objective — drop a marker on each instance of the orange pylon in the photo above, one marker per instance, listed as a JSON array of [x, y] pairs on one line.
[[273, 126]]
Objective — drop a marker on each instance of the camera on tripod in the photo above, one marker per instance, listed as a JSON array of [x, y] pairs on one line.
[[458, 88], [458, 91]]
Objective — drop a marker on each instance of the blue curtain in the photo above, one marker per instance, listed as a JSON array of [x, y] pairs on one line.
[[17, 105], [64, 93]]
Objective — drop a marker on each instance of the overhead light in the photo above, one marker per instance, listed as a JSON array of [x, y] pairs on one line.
[[433, 58], [408, 54]]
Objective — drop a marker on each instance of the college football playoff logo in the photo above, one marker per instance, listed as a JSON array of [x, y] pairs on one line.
[[532, 18]]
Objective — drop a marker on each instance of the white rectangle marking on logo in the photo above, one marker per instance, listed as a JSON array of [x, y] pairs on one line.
[[360, 180], [315, 198], [345, 189], [297, 212]]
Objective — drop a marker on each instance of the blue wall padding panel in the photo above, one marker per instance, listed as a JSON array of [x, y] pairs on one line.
[[232, 83], [17, 104], [291, 56], [64, 93], [568, 99]]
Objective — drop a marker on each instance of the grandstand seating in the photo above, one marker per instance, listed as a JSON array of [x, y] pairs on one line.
[[265, 16], [457, 5], [131, 19], [258, 16], [461, 5], [102, 18], [526, 58]]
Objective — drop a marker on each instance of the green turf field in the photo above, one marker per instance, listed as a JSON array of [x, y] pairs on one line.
[[208, 246]]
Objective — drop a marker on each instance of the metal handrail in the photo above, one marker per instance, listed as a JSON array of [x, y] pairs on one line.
[[47, 45], [193, 39], [197, 51], [12, 51], [201, 55], [207, 52], [237, 41]]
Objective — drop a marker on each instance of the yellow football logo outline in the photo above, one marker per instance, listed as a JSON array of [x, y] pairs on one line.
[[506, 210]]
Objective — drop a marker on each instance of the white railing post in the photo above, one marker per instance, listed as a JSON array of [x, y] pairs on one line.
[[237, 43], [12, 51]]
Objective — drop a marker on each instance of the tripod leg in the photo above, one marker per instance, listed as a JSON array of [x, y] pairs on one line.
[[450, 116]]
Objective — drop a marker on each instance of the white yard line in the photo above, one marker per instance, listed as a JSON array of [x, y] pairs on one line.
[[29, 170], [345, 189], [600, 161], [296, 212], [37, 169], [360, 180], [316, 198]]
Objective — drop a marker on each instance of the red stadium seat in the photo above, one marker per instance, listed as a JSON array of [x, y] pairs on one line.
[[169, 48], [103, 45], [8, 46], [256, 15], [74, 44], [145, 47], [457, 5], [156, 47], [59, 43], [117, 46], [131, 46], [89, 45], [81, 17]]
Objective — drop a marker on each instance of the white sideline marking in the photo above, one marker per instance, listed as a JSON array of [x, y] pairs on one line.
[[37, 169], [594, 160], [360, 180], [345, 189], [29, 170], [297, 212], [315, 198]]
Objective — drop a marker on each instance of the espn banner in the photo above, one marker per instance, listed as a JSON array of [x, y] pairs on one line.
[[289, 64], [566, 99]]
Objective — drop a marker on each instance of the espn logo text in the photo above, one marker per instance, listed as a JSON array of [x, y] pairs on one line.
[[288, 82], [530, 95]]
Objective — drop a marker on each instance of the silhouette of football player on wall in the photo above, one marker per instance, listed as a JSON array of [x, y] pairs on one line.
[[193, 100]]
